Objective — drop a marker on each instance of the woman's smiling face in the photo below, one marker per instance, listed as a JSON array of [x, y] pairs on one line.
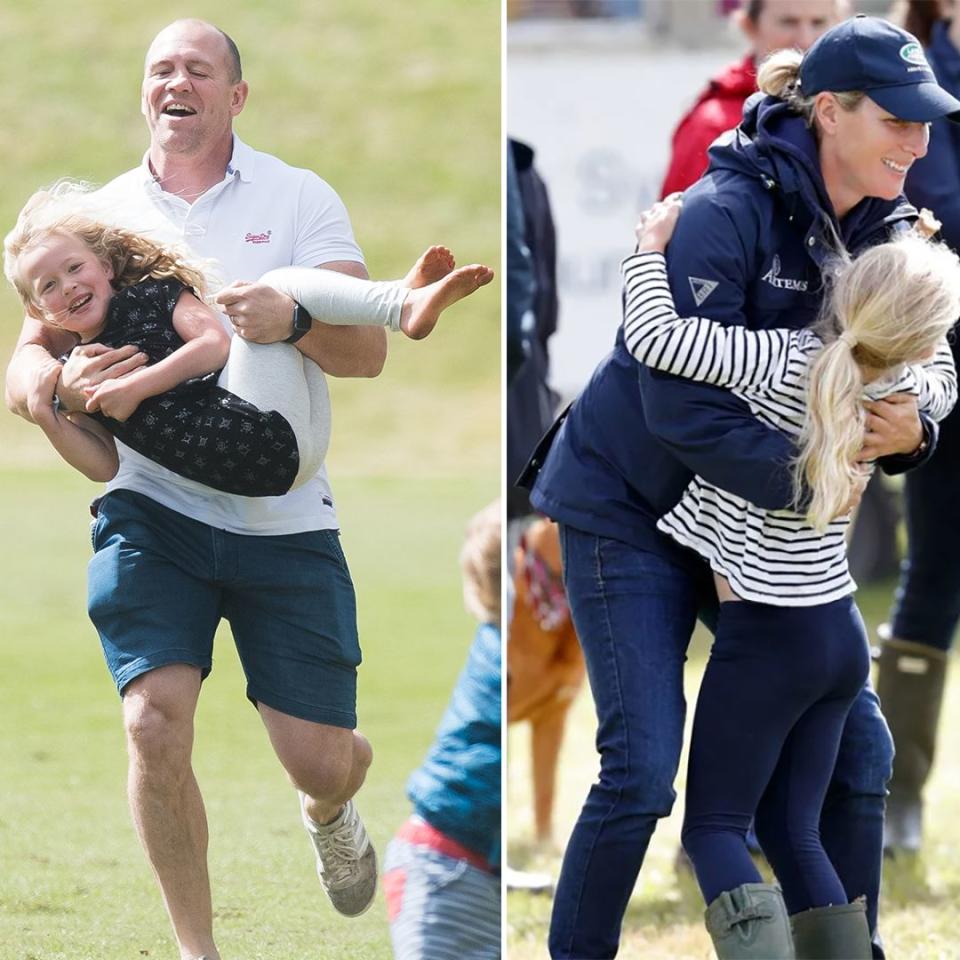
[[866, 152]]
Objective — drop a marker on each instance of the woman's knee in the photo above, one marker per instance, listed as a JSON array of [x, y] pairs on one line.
[[643, 786]]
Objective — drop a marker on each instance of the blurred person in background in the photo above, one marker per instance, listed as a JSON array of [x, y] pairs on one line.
[[521, 285], [917, 641], [442, 870], [768, 25], [531, 403]]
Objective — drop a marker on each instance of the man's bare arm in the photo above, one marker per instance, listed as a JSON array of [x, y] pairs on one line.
[[346, 351], [89, 365], [265, 316], [35, 346]]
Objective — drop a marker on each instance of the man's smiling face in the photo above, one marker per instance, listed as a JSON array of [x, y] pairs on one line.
[[190, 94]]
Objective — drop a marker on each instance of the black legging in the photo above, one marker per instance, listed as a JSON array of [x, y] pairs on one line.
[[771, 709]]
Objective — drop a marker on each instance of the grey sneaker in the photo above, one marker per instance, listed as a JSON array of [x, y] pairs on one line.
[[346, 860]]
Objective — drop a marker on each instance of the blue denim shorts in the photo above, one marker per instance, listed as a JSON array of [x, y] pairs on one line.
[[159, 583]]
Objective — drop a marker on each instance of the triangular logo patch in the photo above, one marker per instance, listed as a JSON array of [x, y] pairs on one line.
[[701, 288]]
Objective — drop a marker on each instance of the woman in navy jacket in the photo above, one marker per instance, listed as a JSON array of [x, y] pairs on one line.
[[749, 248]]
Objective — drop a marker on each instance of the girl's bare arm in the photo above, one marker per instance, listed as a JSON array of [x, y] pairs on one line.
[[84, 444], [205, 350]]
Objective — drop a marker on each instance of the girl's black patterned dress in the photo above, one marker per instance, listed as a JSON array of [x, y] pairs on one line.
[[197, 429]]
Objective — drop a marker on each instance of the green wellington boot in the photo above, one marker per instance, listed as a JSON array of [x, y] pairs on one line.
[[832, 933], [750, 923], [910, 683]]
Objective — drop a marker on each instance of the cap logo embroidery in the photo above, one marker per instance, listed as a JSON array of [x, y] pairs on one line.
[[913, 53]]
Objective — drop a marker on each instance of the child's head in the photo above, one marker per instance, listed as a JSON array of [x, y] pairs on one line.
[[65, 264], [480, 563], [61, 281], [894, 303], [890, 306]]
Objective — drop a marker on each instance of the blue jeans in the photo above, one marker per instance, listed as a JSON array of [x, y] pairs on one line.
[[634, 611], [927, 606]]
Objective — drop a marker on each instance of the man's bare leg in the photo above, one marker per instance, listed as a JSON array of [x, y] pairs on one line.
[[158, 712], [327, 765]]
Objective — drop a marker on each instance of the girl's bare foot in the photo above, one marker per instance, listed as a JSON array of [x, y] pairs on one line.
[[433, 264], [424, 305]]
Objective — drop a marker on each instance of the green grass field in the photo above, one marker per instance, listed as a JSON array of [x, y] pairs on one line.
[[73, 882], [664, 919], [399, 110]]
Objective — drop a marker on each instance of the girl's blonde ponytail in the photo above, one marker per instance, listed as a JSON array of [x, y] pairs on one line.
[[832, 434], [891, 306]]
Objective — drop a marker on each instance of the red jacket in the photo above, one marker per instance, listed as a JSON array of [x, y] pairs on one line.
[[718, 108]]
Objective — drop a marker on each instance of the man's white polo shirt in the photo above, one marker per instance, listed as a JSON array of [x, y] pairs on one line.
[[263, 214]]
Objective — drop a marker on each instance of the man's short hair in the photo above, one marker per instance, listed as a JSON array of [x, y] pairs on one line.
[[233, 55], [233, 51]]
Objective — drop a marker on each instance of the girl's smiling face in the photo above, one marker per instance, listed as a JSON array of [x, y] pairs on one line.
[[69, 287]]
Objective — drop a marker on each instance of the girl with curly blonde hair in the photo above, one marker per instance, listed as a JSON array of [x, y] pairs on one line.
[[241, 417]]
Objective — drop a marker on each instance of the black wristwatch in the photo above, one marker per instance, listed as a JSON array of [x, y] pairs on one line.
[[302, 322]]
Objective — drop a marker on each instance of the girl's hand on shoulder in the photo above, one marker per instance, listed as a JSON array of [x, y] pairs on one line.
[[116, 399], [927, 224], [655, 226]]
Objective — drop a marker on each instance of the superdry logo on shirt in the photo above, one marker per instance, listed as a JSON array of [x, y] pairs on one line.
[[258, 237], [772, 276]]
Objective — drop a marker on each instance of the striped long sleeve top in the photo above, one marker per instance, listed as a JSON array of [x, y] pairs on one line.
[[768, 556]]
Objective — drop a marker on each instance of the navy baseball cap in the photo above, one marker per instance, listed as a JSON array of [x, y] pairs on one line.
[[883, 61]]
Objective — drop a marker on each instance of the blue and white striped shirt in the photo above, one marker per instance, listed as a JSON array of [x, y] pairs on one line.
[[768, 556]]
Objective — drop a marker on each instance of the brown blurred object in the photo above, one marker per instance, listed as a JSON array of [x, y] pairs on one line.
[[545, 665]]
